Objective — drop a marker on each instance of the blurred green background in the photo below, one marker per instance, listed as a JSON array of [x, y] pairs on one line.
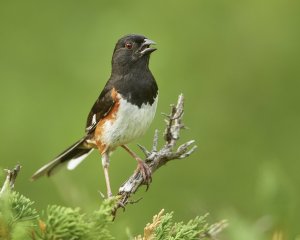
[[238, 65]]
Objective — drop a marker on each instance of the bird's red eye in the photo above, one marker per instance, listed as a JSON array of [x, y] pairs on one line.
[[128, 45]]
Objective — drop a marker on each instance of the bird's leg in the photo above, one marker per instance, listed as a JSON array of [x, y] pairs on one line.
[[105, 164], [142, 166]]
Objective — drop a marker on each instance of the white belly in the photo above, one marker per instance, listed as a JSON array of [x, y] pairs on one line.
[[130, 123]]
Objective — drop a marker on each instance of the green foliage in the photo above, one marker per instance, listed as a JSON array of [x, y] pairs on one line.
[[101, 219], [164, 228], [176, 231], [64, 223], [190, 230], [19, 220], [22, 207], [17, 216]]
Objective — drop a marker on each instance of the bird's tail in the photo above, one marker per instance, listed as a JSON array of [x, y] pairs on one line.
[[74, 155]]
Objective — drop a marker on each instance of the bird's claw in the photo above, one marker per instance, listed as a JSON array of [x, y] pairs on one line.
[[144, 169]]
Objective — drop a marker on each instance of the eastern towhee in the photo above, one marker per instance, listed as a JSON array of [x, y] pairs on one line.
[[123, 111]]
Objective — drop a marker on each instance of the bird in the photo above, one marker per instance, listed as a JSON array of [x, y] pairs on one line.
[[122, 113]]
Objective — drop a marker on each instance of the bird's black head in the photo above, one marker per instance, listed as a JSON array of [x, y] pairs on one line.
[[132, 50]]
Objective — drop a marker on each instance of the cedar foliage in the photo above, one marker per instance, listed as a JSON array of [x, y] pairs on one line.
[[19, 220]]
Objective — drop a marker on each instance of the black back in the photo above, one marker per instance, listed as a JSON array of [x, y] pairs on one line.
[[130, 77]]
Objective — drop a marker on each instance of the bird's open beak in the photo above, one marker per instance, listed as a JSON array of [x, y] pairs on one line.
[[145, 48]]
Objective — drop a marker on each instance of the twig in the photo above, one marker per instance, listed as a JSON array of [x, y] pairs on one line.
[[157, 158], [11, 176]]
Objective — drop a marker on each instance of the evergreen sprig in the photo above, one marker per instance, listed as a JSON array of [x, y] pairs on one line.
[[17, 216], [190, 230], [164, 228], [22, 208], [101, 219], [63, 223], [19, 220]]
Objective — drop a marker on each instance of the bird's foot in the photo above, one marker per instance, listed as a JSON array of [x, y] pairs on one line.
[[145, 170]]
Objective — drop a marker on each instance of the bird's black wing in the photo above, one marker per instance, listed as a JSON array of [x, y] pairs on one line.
[[78, 150], [100, 109]]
